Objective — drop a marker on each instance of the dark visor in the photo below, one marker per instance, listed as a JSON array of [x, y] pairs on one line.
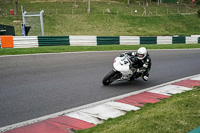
[[140, 55]]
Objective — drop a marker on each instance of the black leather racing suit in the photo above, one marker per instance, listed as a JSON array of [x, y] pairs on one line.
[[143, 65]]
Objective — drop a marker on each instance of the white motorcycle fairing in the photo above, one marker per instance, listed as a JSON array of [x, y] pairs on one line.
[[122, 65]]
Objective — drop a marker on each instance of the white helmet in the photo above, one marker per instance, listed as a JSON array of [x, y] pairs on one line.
[[142, 53]]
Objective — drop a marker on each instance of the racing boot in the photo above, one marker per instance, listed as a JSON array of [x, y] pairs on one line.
[[145, 77]]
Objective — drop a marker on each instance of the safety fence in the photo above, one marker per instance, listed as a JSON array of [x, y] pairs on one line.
[[25, 42], [53, 40], [83, 40], [38, 41]]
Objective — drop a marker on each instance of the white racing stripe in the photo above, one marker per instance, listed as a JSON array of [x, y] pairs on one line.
[[103, 112], [98, 114], [122, 106], [85, 117], [195, 78], [170, 89]]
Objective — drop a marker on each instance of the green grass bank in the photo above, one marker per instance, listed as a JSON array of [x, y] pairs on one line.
[[65, 19], [178, 114]]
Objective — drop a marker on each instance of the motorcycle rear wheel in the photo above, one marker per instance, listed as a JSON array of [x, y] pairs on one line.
[[110, 77]]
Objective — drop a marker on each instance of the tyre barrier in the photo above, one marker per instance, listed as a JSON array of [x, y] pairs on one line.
[[37, 41]]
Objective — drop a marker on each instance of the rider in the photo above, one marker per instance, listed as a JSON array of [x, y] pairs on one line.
[[143, 61]]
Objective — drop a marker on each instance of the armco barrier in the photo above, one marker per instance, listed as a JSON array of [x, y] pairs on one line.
[[53, 40], [83, 40], [107, 40], [36, 41], [164, 39], [178, 39], [129, 40], [25, 41], [198, 36], [6, 41], [148, 40], [191, 40]]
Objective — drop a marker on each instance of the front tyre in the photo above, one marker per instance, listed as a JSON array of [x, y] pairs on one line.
[[110, 77]]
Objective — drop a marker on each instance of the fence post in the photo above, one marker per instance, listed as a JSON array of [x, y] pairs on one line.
[[41, 20]]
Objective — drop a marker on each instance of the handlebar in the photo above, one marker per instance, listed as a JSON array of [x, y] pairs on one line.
[[126, 56]]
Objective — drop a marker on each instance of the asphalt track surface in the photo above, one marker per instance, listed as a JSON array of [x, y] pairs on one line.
[[32, 86]]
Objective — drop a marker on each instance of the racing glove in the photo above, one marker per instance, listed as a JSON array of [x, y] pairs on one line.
[[141, 70]]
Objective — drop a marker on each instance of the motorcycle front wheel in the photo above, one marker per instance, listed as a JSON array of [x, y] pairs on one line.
[[110, 77]]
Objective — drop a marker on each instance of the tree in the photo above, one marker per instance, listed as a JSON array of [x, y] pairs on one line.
[[88, 7], [128, 2], [158, 2], [16, 7]]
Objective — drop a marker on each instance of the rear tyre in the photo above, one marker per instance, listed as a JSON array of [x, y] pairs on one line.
[[110, 77]]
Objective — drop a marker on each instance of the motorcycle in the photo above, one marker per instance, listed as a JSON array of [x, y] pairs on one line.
[[124, 68]]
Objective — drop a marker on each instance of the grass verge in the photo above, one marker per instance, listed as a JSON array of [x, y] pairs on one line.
[[65, 19], [58, 49], [178, 114]]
